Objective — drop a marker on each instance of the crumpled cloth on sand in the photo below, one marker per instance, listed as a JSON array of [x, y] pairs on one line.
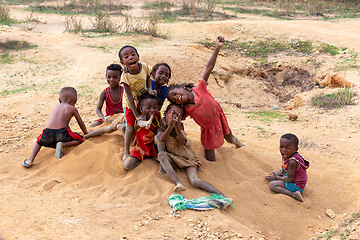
[[179, 202]]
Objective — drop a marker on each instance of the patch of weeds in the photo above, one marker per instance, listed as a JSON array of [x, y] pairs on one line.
[[12, 45], [261, 132], [5, 16], [334, 100], [302, 46], [349, 63], [327, 48], [267, 116], [85, 91], [5, 58], [15, 91], [163, 7], [328, 234], [15, 45]]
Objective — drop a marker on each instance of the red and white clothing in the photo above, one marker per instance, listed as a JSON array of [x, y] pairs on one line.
[[145, 147]]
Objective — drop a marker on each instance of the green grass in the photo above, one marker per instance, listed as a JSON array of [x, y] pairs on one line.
[[15, 91], [327, 48], [334, 100], [352, 62], [328, 234], [267, 116]]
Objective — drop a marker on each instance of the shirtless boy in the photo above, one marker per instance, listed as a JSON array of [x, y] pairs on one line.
[[57, 133]]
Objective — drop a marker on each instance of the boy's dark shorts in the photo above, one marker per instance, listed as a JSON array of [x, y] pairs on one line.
[[50, 137]]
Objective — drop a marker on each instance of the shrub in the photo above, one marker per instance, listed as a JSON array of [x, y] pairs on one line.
[[334, 100]]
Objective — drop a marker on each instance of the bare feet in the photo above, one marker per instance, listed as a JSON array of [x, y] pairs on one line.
[[237, 142], [59, 150], [126, 154], [298, 196], [270, 177], [179, 187]]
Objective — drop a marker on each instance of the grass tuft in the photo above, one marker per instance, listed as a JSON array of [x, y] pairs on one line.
[[334, 100]]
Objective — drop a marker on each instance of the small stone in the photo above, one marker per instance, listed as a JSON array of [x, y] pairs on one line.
[[330, 213], [276, 107]]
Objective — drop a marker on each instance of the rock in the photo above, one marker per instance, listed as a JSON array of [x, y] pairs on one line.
[[331, 214], [276, 107], [293, 117]]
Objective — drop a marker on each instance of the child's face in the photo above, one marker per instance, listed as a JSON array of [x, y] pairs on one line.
[[162, 75], [179, 96], [149, 107], [113, 78], [287, 148], [174, 111], [130, 59]]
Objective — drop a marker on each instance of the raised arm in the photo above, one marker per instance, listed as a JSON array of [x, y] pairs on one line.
[[100, 105], [211, 63]]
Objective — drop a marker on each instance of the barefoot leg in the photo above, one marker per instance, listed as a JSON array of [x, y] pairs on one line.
[[196, 182], [210, 155], [298, 196], [230, 138], [33, 154]]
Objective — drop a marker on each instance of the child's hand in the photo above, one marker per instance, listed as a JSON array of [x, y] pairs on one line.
[[109, 119], [270, 177], [141, 118], [152, 92], [219, 41], [125, 69]]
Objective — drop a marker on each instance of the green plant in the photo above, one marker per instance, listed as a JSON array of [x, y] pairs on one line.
[[102, 23], [302, 46], [327, 48], [73, 24], [334, 100], [267, 116], [349, 63], [328, 234], [5, 15]]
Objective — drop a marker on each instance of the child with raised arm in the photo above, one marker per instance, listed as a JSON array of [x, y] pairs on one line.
[[136, 82], [146, 129], [112, 96], [292, 178], [175, 151], [204, 109], [57, 133]]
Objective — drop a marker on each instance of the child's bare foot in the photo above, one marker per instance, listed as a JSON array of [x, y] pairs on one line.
[[238, 143], [179, 187], [126, 154], [270, 177], [298, 196], [59, 150]]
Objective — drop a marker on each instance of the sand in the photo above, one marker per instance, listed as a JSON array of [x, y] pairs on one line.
[[87, 195]]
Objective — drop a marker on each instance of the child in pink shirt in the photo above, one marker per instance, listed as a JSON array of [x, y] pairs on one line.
[[292, 177]]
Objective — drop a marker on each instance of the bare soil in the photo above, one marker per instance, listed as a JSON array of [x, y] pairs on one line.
[[87, 195]]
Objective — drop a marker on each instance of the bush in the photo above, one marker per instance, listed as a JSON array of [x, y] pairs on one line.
[[334, 100]]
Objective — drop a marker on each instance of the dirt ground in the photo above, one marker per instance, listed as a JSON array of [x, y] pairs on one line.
[[87, 194]]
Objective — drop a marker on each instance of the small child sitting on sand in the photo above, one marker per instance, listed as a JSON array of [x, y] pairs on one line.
[[112, 96], [175, 151], [292, 178], [57, 133]]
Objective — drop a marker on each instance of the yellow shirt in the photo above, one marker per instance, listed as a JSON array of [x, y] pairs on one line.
[[137, 84]]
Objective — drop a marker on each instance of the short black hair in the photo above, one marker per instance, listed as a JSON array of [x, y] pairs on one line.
[[127, 46], [188, 86], [145, 96], [114, 67], [171, 105], [294, 139], [155, 68]]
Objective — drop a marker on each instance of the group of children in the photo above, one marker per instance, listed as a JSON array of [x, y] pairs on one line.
[[132, 92]]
